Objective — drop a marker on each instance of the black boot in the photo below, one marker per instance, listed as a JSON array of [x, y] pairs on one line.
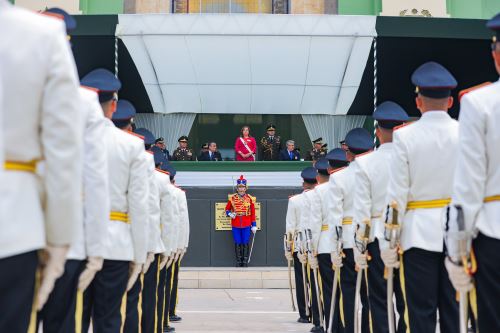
[[245, 255], [237, 254]]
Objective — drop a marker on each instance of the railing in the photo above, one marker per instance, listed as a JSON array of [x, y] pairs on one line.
[[255, 6], [225, 166]]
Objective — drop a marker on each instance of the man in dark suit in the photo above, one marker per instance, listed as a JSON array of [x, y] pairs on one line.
[[290, 154], [212, 154]]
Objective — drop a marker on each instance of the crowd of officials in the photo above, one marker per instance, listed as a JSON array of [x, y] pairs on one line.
[[93, 228]]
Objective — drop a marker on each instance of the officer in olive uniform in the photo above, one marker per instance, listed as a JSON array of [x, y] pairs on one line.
[[270, 145], [318, 151], [183, 153]]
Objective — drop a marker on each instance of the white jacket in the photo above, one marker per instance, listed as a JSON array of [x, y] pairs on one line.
[[422, 166], [477, 173], [293, 214], [155, 244], [319, 219], [89, 238], [128, 193], [370, 190], [175, 240], [168, 210], [183, 221], [342, 189], [41, 121]]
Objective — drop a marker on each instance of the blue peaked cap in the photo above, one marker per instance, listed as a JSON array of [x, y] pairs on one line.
[[322, 165], [433, 80], [337, 154], [149, 138], [390, 115], [124, 110], [69, 20], [359, 140], [309, 174], [169, 168], [104, 81], [494, 24]]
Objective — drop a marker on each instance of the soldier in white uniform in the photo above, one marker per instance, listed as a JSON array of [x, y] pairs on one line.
[[358, 141], [84, 258], [41, 121], [476, 190], [370, 191], [324, 235], [421, 179], [126, 229], [309, 175], [293, 214]]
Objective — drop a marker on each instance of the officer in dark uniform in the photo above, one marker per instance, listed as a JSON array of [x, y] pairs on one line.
[[160, 147], [318, 151], [270, 145], [183, 153]]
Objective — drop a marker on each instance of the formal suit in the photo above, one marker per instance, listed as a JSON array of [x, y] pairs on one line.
[[477, 177], [285, 155], [422, 165], [41, 120], [209, 156]]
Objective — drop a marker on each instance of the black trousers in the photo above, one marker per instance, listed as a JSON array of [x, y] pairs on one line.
[[299, 286], [314, 302], [17, 290], [327, 273], [348, 276], [175, 289], [58, 314], [487, 251], [169, 281], [149, 297], [103, 298], [377, 292], [134, 308], [428, 289], [161, 304]]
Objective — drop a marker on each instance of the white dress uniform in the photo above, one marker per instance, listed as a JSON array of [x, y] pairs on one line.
[[40, 121], [155, 244], [342, 188], [477, 190], [319, 220]]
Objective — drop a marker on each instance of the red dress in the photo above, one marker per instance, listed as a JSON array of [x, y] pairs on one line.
[[239, 146]]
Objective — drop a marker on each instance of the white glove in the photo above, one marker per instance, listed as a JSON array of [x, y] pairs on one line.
[[232, 215], [169, 262], [313, 261], [390, 257], [164, 258], [361, 259], [94, 265], [177, 254], [302, 257], [254, 230], [182, 254], [336, 259], [134, 271], [52, 260], [149, 259], [461, 281], [288, 255]]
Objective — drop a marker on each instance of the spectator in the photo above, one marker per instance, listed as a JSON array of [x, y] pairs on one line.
[[204, 149], [290, 154], [211, 154], [183, 153], [245, 146], [160, 148]]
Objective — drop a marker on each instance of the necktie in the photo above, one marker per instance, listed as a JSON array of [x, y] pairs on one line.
[[210, 155], [290, 153]]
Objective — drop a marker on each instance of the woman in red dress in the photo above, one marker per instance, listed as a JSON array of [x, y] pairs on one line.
[[245, 146]]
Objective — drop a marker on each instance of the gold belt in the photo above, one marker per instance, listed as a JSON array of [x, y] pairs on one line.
[[492, 198], [324, 227], [347, 221], [20, 166], [119, 216], [438, 203]]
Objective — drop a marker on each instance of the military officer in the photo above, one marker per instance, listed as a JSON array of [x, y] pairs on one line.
[[126, 228], [270, 145], [358, 141], [85, 256], [183, 153], [293, 214], [318, 151], [39, 111], [372, 178], [241, 209], [477, 179], [421, 177]]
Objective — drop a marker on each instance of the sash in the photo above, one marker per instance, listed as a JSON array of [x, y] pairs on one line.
[[246, 146]]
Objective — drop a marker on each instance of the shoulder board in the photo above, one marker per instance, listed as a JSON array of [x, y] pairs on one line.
[[162, 171], [135, 134], [150, 152], [337, 170], [468, 90], [293, 195], [402, 125], [54, 15], [91, 89], [365, 153], [176, 186]]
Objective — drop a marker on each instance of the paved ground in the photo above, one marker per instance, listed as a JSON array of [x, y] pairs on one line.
[[237, 310]]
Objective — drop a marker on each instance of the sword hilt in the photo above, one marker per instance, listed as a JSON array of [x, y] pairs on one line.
[[392, 228]]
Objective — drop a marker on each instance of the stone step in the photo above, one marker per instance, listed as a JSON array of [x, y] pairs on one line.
[[234, 278]]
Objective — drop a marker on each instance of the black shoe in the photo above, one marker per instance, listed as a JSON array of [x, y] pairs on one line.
[[168, 329], [303, 320], [175, 318], [317, 329]]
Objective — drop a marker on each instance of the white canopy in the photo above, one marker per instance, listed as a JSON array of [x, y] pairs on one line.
[[249, 63]]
